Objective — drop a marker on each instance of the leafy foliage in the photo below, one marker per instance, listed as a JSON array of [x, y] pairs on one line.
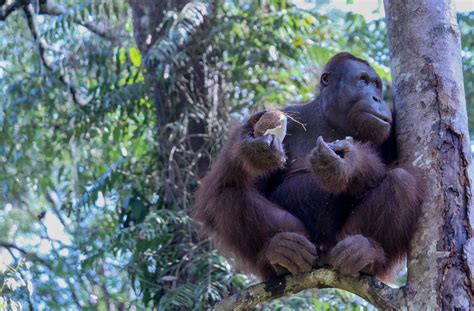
[[13, 284], [97, 194]]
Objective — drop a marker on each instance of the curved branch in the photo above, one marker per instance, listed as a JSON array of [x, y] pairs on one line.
[[12, 7], [377, 293]]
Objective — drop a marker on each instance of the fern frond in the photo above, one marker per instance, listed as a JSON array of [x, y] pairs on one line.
[[181, 33]]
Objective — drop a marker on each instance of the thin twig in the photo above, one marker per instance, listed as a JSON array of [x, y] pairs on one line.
[[30, 256], [77, 96]]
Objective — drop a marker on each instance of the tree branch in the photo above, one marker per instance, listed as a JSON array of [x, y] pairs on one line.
[[77, 96], [31, 256], [12, 7], [377, 293], [49, 7], [99, 27]]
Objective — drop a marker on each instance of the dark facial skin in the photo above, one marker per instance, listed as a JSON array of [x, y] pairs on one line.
[[353, 102]]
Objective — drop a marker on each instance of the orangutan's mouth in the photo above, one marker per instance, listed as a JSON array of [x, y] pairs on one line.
[[379, 117]]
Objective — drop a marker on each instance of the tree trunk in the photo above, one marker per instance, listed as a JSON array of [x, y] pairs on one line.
[[432, 133], [188, 106]]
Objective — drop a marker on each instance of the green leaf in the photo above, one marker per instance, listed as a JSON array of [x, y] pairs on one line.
[[135, 57]]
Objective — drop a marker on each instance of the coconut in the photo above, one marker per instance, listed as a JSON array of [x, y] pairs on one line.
[[272, 122]]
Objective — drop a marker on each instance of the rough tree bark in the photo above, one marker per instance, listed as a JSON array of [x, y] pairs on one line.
[[432, 133]]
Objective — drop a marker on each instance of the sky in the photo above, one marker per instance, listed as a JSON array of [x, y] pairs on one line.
[[372, 9]]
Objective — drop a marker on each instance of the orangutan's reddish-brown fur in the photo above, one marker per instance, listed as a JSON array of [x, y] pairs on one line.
[[245, 219], [276, 207]]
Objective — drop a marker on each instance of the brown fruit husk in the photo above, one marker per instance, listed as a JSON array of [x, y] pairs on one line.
[[271, 122]]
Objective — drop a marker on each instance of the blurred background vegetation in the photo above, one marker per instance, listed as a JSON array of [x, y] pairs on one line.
[[103, 138]]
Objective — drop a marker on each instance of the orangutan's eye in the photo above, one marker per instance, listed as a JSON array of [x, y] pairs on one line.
[[365, 78]]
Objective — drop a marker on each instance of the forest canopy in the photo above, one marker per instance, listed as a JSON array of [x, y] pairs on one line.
[[105, 132]]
